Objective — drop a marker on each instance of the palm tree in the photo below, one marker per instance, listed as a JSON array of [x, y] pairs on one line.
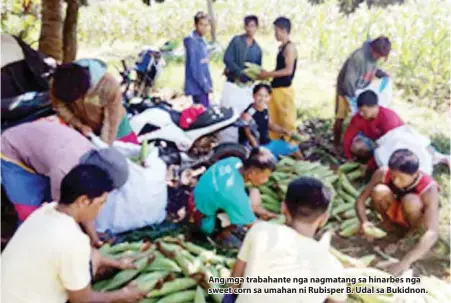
[[59, 37], [70, 31], [51, 38]]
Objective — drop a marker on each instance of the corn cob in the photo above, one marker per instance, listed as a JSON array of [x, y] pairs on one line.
[[265, 190], [230, 262], [200, 295], [350, 230], [349, 214], [345, 259], [164, 264], [211, 257], [346, 197], [188, 267], [367, 260], [374, 232], [342, 208], [349, 222], [193, 248], [149, 300], [98, 286], [176, 285], [147, 282], [347, 186], [349, 166], [124, 247], [179, 297], [354, 175], [127, 275]]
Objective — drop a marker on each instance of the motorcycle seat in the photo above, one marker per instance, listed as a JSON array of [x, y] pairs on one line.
[[212, 115], [25, 105]]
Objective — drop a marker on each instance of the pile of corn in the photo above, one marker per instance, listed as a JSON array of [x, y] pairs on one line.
[[170, 270], [344, 194]]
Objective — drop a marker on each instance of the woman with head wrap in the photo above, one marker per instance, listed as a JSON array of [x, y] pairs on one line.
[[88, 98]]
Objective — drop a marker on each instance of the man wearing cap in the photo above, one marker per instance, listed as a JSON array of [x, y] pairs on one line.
[[357, 73], [36, 156], [88, 98]]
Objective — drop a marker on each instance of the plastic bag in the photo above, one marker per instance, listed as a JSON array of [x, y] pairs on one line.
[[142, 200], [404, 137], [382, 87]]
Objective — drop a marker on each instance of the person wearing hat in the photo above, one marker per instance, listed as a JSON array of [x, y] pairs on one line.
[[88, 98], [357, 73], [35, 158]]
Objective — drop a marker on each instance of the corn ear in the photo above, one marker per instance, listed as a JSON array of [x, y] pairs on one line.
[[176, 285], [200, 295], [350, 230], [127, 275], [374, 232]]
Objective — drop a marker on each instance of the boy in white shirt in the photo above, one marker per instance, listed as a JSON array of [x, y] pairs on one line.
[[289, 251], [49, 259]]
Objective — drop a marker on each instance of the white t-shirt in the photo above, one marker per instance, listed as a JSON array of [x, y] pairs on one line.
[[272, 250], [48, 255]]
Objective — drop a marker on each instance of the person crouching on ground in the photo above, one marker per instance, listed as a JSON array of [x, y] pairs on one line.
[[49, 258], [88, 98], [368, 125], [403, 195], [223, 187], [289, 250], [259, 125]]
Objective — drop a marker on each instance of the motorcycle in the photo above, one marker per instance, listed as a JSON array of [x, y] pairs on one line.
[[25, 108], [197, 145]]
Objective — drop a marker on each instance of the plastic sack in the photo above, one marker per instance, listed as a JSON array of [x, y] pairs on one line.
[[404, 137], [142, 200], [382, 87]]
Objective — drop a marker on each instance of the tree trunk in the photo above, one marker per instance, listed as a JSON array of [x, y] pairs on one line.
[[70, 31], [50, 40], [212, 19]]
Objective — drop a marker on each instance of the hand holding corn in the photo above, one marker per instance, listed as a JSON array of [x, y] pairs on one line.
[[131, 293], [126, 263]]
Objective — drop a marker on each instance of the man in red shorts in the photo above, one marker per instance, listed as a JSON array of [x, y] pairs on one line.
[[406, 196]]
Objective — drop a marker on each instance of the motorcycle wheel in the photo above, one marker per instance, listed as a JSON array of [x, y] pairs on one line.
[[225, 150]]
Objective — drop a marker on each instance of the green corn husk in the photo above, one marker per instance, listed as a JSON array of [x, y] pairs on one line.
[[127, 275], [161, 263], [200, 295], [174, 286], [98, 286], [347, 186], [349, 166], [350, 230]]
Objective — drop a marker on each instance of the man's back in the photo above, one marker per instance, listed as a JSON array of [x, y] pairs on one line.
[[272, 250], [48, 254], [43, 145]]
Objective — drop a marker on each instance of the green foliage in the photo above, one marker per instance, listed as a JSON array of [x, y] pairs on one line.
[[21, 20], [419, 31]]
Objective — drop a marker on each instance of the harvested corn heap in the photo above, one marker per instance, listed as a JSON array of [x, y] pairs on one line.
[[344, 194], [171, 270]]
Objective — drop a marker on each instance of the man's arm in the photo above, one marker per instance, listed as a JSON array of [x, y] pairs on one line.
[[114, 110], [129, 293], [290, 58], [230, 60], [90, 229], [252, 140], [350, 133], [376, 179], [193, 62], [381, 74], [430, 221]]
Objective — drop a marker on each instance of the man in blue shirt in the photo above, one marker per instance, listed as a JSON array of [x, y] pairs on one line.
[[198, 82], [237, 92], [222, 187]]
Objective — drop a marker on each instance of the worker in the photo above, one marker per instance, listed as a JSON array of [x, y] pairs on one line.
[[407, 197]]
